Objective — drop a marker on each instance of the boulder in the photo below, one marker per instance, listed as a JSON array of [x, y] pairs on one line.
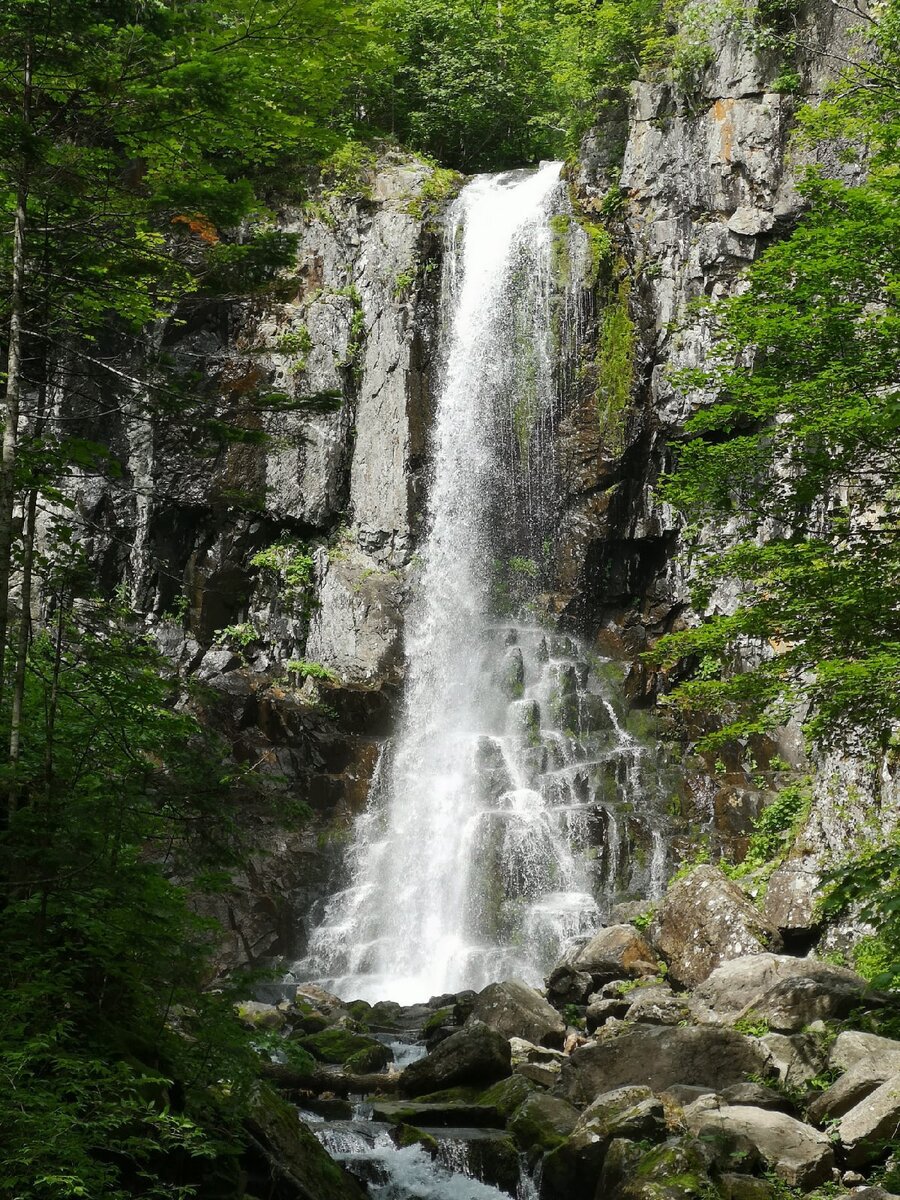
[[475, 1054], [704, 920], [790, 899], [795, 1059], [853, 1048], [542, 1123], [799, 1154], [657, 1005], [435, 1112], [293, 1160], [755, 1094], [613, 954], [260, 1016], [572, 1169], [787, 993], [598, 1012], [851, 1089], [675, 1170], [864, 1130], [545, 1075], [566, 984], [507, 1095], [658, 1056], [517, 1010], [358, 1052], [491, 1155]]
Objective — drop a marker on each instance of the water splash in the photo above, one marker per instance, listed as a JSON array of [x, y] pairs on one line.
[[475, 857]]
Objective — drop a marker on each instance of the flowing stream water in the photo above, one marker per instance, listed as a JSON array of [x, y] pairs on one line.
[[513, 805]]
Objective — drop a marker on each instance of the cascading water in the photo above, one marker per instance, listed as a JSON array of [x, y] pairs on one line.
[[474, 859]]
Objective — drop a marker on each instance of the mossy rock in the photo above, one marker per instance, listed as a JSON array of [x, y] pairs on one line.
[[453, 1095], [275, 1124], [307, 1019], [337, 1045], [360, 1011], [542, 1122], [508, 1095], [373, 1058], [301, 1060], [409, 1135], [676, 1170], [443, 1016]]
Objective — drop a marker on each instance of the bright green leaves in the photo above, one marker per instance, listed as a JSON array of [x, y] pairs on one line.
[[790, 476]]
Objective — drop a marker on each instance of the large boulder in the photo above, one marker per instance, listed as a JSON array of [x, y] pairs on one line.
[[853, 1048], [658, 1056], [704, 920], [475, 1054], [787, 993], [657, 1005], [802, 1156], [344, 1047], [794, 1058], [542, 1123], [675, 1170], [851, 1089], [616, 952], [572, 1169], [517, 1010], [865, 1129]]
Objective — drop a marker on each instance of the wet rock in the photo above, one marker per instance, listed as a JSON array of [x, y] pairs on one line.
[[800, 1155], [704, 920], [507, 1095], [511, 678], [293, 1162], [475, 1054], [517, 1010], [359, 1053], [491, 1155], [261, 1016], [450, 1112], [613, 954], [572, 1169], [658, 1056], [676, 1170], [542, 1123], [787, 993], [864, 1130]]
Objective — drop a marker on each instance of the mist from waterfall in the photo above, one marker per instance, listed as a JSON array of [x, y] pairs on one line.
[[477, 857]]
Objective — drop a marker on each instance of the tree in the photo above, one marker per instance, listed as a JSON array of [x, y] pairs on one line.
[[795, 459]]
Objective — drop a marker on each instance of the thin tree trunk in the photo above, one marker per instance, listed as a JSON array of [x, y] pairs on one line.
[[22, 644], [14, 374]]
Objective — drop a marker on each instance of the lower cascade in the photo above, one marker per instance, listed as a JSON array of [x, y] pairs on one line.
[[514, 805]]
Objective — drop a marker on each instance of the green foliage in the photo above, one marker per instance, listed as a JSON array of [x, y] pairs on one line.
[[120, 1075], [524, 566], [801, 439], [775, 829], [492, 85], [291, 564], [752, 1025], [240, 636], [304, 669], [615, 366]]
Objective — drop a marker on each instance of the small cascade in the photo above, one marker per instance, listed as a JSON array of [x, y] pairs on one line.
[[513, 806]]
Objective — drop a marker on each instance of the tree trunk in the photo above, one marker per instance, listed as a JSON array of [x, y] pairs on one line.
[[14, 373]]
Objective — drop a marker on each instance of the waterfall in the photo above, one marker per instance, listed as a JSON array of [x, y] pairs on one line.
[[476, 857]]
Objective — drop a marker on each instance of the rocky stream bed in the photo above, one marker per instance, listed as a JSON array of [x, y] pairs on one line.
[[683, 1059]]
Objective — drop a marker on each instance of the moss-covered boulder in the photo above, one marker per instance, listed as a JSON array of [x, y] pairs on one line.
[[676, 1170], [339, 1046], [260, 1016], [572, 1168], [286, 1159], [507, 1095], [408, 1135], [542, 1123], [473, 1055]]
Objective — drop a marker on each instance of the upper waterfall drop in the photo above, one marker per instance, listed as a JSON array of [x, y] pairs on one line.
[[471, 861]]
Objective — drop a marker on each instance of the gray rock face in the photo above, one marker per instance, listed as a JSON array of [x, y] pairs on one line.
[[787, 993], [850, 1090], [868, 1125], [518, 1011], [657, 1056], [474, 1054], [704, 920], [852, 1048], [802, 1156], [795, 1059]]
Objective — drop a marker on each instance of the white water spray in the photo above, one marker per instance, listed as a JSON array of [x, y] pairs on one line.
[[471, 863]]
